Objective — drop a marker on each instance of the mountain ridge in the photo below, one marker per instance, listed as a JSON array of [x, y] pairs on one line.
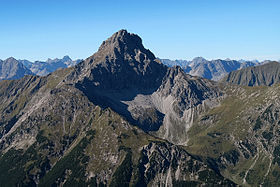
[[266, 74]]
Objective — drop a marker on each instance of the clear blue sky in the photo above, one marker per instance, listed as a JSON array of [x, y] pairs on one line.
[[41, 29]]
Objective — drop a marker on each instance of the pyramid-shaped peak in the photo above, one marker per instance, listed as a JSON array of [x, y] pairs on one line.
[[66, 58], [10, 59], [122, 62], [122, 44], [199, 59]]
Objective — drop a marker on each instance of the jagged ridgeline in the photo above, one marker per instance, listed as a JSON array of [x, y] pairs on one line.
[[209, 69], [122, 118], [11, 68]]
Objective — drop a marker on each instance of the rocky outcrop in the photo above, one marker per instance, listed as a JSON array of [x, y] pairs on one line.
[[164, 164], [182, 98]]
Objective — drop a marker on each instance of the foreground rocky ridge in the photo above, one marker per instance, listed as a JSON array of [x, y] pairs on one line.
[[86, 145]]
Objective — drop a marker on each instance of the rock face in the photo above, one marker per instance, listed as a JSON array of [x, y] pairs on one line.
[[182, 98], [167, 165], [267, 74], [214, 69], [122, 63], [12, 69]]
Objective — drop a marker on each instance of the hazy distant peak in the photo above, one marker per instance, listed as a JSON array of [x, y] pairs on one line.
[[12, 69], [66, 58], [199, 59], [10, 59]]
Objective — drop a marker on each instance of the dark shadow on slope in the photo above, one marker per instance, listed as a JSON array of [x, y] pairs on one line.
[[150, 120]]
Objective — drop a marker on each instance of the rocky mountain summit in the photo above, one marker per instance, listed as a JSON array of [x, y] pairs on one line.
[[266, 74], [122, 118], [120, 63], [126, 77], [12, 69]]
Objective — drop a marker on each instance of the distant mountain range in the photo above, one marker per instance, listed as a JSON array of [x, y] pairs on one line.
[[267, 74], [13, 69], [16, 69], [43, 68], [213, 69]]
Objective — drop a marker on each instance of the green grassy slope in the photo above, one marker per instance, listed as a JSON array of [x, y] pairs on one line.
[[242, 135]]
